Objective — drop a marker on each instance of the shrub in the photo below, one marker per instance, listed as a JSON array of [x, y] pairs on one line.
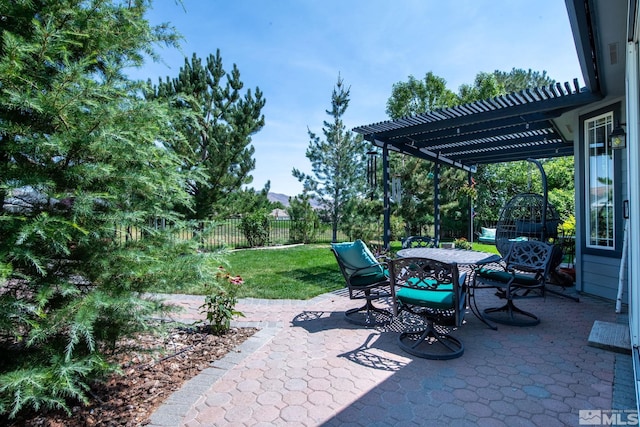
[[304, 220], [256, 228], [219, 303], [462, 243], [568, 227]]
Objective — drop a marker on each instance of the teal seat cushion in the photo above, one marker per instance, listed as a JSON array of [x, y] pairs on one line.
[[442, 298], [368, 278], [505, 276], [357, 260]]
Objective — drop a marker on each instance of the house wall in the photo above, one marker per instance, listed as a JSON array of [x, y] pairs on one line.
[[633, 162], [598, 271], [600, 276]]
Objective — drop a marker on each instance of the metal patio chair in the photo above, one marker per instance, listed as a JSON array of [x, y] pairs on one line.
[[419, 242], [367, 279], [436, 292], [524, 272]]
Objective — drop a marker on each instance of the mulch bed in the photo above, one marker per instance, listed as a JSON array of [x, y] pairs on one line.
[[148, 377]]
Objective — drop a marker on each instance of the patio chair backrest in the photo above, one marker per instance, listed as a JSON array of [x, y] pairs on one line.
[[419, 242], [428, 283], [531, 256], [356, 260]]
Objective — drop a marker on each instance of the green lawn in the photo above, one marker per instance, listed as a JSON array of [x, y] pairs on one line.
[[299, 272], [483, 247], [296, 272]]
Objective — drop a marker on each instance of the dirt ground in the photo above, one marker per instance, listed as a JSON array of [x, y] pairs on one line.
[[147, 379]]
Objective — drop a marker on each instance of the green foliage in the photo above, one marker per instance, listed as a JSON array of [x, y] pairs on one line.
[[220, 301], [416, 176], [81, 152], [419, 96], [561, 184], [255, 227], [305, 220], [364, 221], [49, 386], [218, 130], [568, 227], [486, 85], [397, 227], [338, 162], [496, 184], [246, 201], [518, 79], [462, 243], [416, 205]]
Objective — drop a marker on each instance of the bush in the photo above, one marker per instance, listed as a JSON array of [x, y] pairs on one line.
[[220, 301], [568, 227], [363, 220], [304, 220], [256, 228], [462, 243]]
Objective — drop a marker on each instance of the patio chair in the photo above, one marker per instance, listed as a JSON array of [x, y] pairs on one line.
[[436, 292], [366, 278], [526, 267], [419, 242]]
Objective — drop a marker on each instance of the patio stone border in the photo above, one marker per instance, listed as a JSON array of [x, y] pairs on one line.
[[173, 410]]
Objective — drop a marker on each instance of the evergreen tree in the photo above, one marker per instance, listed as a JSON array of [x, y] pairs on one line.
[[219, 135], [337, 162], [248, 200], [304, 220], [80, 153], [518, 79]]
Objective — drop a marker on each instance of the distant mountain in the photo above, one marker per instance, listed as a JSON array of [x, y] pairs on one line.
[[277, 197], [284, 199]]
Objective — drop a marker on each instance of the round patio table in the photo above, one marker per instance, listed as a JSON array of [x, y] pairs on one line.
[[468, 260]]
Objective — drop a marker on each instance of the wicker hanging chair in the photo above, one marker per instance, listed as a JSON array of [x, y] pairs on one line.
[[527, 216], [530, 216]]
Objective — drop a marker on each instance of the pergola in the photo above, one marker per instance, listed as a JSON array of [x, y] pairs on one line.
[[511, 127]]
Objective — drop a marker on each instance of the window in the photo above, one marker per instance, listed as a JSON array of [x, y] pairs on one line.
[[600, 211]]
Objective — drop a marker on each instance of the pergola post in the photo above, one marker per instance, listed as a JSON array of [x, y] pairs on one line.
[[436, 201], [471, 211], [386, 238]]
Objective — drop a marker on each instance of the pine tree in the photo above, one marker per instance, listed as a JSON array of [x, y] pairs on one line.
[[81, 152], [219, 135], [338, 163]]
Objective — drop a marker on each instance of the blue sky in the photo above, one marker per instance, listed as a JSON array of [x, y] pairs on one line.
[[293, 50]]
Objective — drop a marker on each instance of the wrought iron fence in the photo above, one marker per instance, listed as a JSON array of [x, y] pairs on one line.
[[216, 234]]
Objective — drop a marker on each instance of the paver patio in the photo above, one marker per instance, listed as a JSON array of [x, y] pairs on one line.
[[307, 366]]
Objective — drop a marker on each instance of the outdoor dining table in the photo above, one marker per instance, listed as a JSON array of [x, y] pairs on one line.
[[467, 260]]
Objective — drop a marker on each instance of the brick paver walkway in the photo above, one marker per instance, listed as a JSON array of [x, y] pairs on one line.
[[307, 366]]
